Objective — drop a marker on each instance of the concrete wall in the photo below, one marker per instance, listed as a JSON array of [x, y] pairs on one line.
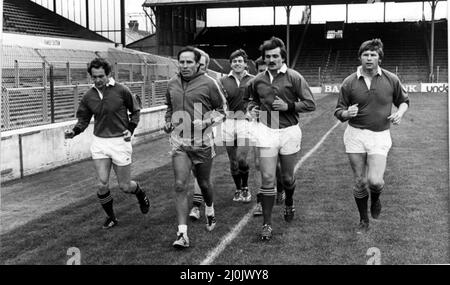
[[37, 149]]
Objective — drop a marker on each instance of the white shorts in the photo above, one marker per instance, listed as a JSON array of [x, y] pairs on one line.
[[367, 141], [232, 130], [116, 149], [272, 142]]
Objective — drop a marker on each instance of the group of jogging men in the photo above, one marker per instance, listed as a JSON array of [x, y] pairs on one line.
[[241, 111]]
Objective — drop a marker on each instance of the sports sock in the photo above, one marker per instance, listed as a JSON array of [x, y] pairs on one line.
[[209, 211], [267, 202], [106, 201], [197, 199], [237, 180], [259, 197], [182, 229], [289, 190], [375, 192], [243, 172], [361, 197]]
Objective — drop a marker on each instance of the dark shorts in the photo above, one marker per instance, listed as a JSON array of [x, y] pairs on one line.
[[197, 154]]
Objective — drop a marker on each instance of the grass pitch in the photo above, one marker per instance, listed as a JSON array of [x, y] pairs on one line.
[[412, 229]]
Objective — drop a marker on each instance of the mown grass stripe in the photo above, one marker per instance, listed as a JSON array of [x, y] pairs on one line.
[[228, 238]]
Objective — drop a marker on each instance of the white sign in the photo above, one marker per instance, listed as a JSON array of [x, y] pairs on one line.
[[434, 87]]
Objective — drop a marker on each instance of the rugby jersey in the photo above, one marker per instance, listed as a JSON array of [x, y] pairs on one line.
[[235, 90], [110, 110], [374, 103], [287, 84]]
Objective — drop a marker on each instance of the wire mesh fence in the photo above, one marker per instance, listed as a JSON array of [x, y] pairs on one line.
[[41, 90]]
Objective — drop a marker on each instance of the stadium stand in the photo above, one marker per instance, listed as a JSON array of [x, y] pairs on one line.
[[27, 17], [406, 48]]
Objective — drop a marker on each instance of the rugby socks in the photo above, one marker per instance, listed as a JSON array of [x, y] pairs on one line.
[[268, 200], [375, 192], [289, 190], [197, 199], [237, 180], [138, 192], [259, 197], [361, 197], [106, 201], [280, 187], [243, 172]]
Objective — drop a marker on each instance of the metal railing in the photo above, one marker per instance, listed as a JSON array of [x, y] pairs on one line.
[[36, 93]]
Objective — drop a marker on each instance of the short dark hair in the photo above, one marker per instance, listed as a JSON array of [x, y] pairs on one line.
[[205, 54], [259, 61], [273, 43], [197, 54], [99, 62], [238, 53], [372, 45]]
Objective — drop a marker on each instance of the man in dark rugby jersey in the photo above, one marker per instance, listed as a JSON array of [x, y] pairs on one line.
[[109, 102], [365, 101], [278, 95], [235, 129]]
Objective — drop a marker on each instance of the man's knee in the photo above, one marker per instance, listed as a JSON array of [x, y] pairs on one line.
[[234, 167], [268, 177], [204, 184], [243, 165], [103, 187], [360, 188], [288, 181], [361, 182], [180, 187], [376, 183], [125, 187]]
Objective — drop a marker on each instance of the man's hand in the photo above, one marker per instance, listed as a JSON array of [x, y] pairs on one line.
[[126, 135], [168, 127], [352, 111], [396, 117], [69, 134], [279, 105], [254, 112], [201, 124]]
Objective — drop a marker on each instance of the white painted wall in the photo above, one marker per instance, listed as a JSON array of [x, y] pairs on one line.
[[54, 42], [44, 147]]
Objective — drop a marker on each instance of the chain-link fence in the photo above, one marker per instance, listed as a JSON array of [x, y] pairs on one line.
[[38, 87], [36, 92]]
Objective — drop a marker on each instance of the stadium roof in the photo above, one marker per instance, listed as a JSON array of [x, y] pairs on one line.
[[258, 3]]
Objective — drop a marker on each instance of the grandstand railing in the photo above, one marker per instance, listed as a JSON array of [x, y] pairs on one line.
[[36, 92]]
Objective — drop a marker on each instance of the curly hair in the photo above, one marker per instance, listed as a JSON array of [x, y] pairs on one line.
[[99, 63]]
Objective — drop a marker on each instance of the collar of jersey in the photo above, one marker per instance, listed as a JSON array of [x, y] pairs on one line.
[[359, 71], [111, 82], [244, 73]]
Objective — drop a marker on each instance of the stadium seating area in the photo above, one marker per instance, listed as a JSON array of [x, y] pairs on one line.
[[26, 71], [406, 48], [27, 17]]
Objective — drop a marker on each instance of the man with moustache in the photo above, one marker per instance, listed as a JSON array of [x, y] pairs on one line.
[[279, 94]]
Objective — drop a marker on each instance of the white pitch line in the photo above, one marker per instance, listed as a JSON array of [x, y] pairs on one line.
[[214, 253]]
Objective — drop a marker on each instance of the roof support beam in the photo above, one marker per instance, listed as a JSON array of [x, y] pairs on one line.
[[288, 34]]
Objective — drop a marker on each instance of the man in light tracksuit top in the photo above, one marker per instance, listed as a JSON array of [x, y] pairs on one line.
[[191, 100]]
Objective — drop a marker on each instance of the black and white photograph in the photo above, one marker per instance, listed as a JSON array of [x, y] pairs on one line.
[[237, 134]]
